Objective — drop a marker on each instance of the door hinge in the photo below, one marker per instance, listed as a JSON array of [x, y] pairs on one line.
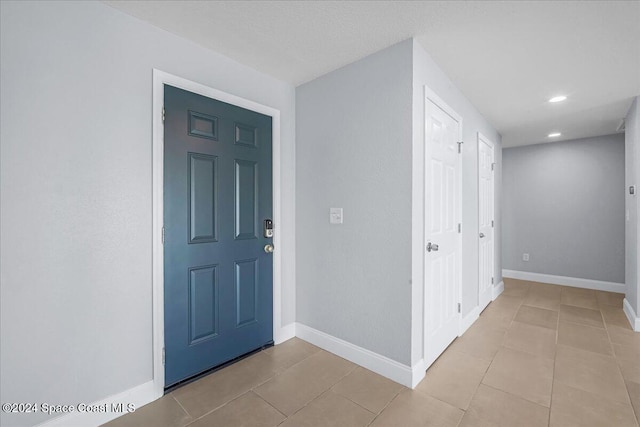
[[492, 280], [163, 235], [459, 228], [491, 223], [163, 114], [458, 307], [460, 146], [163, 356]]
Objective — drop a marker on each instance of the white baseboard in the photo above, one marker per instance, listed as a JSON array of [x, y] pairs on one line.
[[418, 372], [497, 290], [575, 282], [285, 333], [377, 363], [468, 320], [633, 318], [138, 396]]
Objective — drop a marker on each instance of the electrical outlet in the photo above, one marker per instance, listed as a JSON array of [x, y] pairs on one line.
[[335, 216], [525, 257]]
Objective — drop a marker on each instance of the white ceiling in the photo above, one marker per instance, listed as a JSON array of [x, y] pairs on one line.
[[507, 57]]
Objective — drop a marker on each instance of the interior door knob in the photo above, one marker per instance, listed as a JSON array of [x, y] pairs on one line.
[[431, 247], [481, 235], [268, 248]]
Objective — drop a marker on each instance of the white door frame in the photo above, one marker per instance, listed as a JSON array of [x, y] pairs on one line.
[[160, 78], [430, 95], [481, 138]]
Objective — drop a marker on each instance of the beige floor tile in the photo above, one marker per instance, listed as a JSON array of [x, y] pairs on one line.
[[501, 312], [516, 288], [614, 316], [628, 357], [494, 408], [289, 353], [537, 316], [585, 316], [585, 337], [578, 297], [164, 412], [590, 372], [489, 322], [612, 299], [545, 288], [546, 300], [248, 410], [303, 382], [630, 369], [413, 409], [482, 343], [330, 410], [628, 352], [218, 388], [454, 378], [368, 389], [634, 394], [623, 336], [511, 301], [521, 374], [572, 407], [531, 339]]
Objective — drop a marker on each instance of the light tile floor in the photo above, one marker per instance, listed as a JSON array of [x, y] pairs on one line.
[[539, 355]]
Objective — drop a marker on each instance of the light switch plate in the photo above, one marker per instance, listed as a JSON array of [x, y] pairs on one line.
[[335, 216]]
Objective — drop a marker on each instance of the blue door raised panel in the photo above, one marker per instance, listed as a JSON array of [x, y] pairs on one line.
[[217, 193]]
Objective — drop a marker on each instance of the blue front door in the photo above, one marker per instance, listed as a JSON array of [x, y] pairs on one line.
[[217, 194]]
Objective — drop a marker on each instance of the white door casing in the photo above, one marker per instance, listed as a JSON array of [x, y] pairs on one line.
[[486, 252], [442, 278], [160, 78]]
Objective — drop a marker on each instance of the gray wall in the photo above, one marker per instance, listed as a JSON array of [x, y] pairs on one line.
[[632, 163], [353, 150], [564, 205], [359, 145], [76, 194], [427, 72]]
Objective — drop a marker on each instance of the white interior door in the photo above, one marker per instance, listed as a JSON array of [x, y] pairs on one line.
[[485, 218], [442, 236]]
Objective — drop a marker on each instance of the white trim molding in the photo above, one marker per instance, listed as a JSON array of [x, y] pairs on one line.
[[160, 79], [418, 371], [468, 320], [137, 396], [633, 318], [575, 282], [285, 333], [375, 362], [497, 290]]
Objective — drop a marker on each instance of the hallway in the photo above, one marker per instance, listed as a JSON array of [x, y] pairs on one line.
[[539, 355]]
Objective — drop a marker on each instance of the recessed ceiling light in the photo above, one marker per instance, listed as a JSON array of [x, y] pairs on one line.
[[558, 98], [554, 135]]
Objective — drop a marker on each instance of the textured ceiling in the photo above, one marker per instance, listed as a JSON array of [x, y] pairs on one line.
[[508, 58]]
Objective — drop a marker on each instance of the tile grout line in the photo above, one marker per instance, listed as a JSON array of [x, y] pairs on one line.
[[555, 359], [492, 360], [275, 374], [183, 408], [269, 403], [626, 387], [356, 403], [331, 386], [386, 406]]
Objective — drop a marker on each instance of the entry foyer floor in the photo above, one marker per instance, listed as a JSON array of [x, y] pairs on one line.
[[539, 355]]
